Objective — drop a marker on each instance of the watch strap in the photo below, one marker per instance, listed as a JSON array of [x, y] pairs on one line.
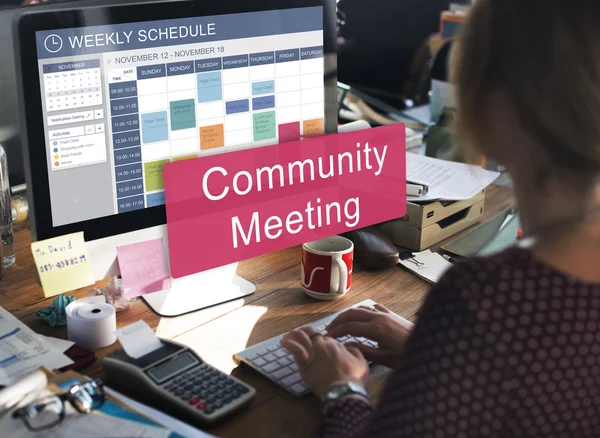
[[340, 390]]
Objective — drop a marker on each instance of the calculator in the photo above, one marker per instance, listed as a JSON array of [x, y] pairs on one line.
[[177, 381]]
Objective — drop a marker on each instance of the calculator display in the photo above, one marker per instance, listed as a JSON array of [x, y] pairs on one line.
[[173, 366]]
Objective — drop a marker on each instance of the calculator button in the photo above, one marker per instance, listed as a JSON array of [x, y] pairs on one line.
[[209, 410], [270, 367], [273, 347], [280, 353], [263, 352], [269, 357], [194, 401], [242, 389], [252, 356], [201, 406]]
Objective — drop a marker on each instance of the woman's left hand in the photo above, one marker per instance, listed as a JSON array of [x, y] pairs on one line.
[[323, 361]]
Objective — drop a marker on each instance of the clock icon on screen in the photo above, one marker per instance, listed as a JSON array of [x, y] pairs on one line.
[[53, 43]]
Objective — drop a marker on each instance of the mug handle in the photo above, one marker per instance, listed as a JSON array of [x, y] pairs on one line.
[[343, 275]]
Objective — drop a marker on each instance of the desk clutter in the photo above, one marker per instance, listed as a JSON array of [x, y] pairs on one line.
[[165, 374], [45, 405], [451, 199]]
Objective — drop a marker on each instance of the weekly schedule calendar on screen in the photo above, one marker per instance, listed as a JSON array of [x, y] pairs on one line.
[[121, 101]]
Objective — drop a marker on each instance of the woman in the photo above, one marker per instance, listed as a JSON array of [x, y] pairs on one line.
[[507, 345]]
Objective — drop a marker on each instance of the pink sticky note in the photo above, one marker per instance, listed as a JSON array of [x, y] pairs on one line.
[[144, 268]]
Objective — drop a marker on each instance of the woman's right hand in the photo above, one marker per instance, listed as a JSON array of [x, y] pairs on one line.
[[379, 325]]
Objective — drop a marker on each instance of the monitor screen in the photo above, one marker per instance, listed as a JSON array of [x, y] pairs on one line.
[[119, 101]]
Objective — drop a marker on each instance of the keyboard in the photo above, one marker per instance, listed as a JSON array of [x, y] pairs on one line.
[[273, 361]]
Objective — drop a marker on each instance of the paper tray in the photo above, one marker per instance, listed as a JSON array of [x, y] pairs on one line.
[[417, 239], [426, 214]]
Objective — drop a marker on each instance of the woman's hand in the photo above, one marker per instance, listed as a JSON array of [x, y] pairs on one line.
[[379, 325], [323, 361]]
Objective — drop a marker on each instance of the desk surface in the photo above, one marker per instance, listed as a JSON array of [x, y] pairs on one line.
[[278, 305]]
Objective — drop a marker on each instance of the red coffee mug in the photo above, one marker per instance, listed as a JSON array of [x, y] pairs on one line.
[[327, 267]]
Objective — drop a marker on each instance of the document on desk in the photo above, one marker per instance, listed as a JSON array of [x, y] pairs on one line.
[[167, 421], [75, 425], [430, 266], [23, 351], [446, 179]]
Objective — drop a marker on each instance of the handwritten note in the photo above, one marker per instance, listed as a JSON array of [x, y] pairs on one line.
[[63, 263], [144, 268]]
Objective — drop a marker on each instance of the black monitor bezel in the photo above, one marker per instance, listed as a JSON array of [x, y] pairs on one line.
[[32, 125]]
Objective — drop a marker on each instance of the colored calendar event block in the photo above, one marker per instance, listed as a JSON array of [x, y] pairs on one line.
[[209, 87], [185, 157], [155, 127], [153, 171], [264, 102], [264, 87], [312, 127], [212, 137], [154, 199], [264, 125], [183, 114], [237, 106], [289, 132]]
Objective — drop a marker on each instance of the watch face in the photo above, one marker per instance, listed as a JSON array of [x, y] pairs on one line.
[[337, 391], [354, 387]]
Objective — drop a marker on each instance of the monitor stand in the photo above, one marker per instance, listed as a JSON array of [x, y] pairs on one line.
[[187, 294], [198, 291]]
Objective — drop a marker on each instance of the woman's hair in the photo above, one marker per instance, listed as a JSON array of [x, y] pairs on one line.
[[544, 56]]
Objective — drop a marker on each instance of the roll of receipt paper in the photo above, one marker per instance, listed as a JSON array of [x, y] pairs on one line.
[[92, 322]]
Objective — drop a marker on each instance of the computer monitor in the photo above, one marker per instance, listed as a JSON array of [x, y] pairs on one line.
[[382, 39], [110, 94]]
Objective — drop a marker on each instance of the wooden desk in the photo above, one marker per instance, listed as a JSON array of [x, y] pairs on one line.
[[278, 305]]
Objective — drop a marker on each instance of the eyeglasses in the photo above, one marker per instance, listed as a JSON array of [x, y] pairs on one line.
[[47, 412]]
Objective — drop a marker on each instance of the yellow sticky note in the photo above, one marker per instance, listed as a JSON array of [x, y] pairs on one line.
[[63, 263]]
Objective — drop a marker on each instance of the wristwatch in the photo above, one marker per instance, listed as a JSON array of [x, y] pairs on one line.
[[338, 391]]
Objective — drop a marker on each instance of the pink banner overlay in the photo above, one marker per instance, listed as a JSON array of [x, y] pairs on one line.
[[230, 207]]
